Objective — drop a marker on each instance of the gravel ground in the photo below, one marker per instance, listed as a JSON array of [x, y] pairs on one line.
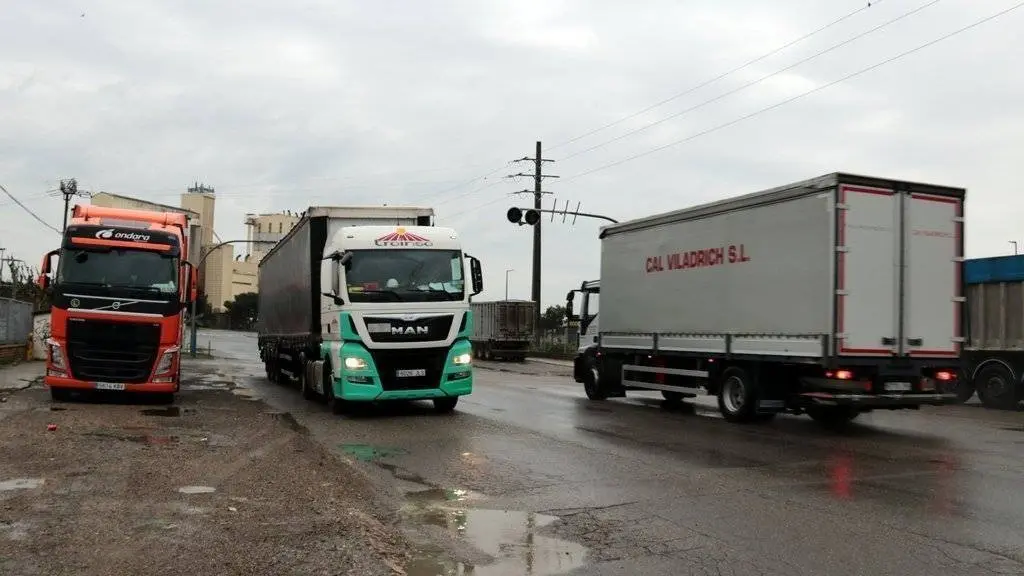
[[217, 484]]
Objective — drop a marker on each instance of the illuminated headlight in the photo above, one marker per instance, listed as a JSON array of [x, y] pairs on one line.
[[463, 359], [56, 354], [353, 363], [166, 362]]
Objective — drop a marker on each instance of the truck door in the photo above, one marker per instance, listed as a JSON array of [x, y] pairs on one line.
[[933, 259], [867, 271]]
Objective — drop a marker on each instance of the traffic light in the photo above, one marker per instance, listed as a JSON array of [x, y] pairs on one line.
[[516, 216]]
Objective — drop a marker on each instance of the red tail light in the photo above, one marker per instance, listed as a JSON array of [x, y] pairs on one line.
[[844, 375], [944, 375]]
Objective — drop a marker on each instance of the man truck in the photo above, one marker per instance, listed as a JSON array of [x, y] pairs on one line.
[[502, 329], [831, 297], [366, 304], [993, 358], [119, 293]]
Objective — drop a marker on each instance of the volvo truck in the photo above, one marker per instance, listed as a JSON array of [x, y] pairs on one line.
[[832, 297], [369, 304], [119, 291]]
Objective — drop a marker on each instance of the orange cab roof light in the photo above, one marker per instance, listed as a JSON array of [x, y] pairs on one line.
[[87, 212]]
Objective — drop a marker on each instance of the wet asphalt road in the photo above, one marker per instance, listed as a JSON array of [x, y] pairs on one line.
[[640, 489]]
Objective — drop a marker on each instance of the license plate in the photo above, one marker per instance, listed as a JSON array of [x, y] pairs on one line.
[[411, 373], [109, 386], [898, 386]]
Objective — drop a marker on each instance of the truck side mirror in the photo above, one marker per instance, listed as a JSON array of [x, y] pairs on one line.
[[188, 287], [476, 274], [43, 281], [568, 306]]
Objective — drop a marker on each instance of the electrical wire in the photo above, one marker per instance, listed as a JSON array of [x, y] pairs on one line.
[[755, 82], [26, 209], [722, 75], [801, 95]]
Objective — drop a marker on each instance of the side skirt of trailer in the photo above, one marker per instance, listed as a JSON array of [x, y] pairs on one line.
[[665, 387]]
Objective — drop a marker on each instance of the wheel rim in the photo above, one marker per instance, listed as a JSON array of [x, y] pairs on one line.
[[995, 386], [733, 392]]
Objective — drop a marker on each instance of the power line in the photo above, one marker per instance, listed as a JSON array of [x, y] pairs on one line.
[[723, 75], [758, 81], [801, 95], [31, 213]]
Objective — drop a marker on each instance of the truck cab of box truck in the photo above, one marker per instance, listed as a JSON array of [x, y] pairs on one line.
[[586, 299], [396, 320], [118, 291]]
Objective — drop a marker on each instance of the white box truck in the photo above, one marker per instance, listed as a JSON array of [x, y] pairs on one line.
[[502, 329], [831, 297], [367, 304]]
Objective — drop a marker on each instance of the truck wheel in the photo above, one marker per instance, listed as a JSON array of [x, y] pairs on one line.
[[446, 404], [738, 396], [592, 384], [996, 388], [305, 385], [834, 417], [335, 405]]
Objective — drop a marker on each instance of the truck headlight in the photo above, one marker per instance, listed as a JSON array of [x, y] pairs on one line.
[[463, 359], [166, 362], [56, 354], [354, 363]]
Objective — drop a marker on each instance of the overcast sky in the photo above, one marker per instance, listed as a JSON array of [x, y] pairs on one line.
[[282, 105]]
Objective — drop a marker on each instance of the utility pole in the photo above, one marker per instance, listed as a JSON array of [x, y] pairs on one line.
[[68, 188], [538, 193]]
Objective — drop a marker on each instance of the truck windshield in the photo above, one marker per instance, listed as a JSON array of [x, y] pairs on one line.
[[119, 268], [404, 275]]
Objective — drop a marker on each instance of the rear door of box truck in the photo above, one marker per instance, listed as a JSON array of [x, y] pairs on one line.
[[898, 289]]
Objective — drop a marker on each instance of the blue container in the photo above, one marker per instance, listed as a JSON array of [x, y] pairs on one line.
[[994, 269]]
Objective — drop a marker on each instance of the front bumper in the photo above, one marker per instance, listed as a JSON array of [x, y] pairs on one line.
[[365, 385], [144, 387]]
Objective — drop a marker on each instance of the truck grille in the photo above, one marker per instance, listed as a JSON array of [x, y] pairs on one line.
[[111, 351], [389, 362], [398, 330]]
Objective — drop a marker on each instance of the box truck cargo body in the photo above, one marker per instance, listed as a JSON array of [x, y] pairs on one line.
[[832, 296], [363, 304], [994, 353], [502, 329]]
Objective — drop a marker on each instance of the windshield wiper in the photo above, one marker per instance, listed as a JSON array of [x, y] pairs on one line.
[[394, 295]]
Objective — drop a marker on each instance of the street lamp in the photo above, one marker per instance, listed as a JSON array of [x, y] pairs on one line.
[[506, 281]]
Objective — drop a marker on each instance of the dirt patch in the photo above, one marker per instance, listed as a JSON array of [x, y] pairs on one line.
[[115, 490]]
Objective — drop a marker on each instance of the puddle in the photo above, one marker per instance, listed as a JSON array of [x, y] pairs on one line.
[[369, 453], [433, 495], [197, 489], [508, 537], [169, 412], [289, 420], [21, 484], [149, 439]]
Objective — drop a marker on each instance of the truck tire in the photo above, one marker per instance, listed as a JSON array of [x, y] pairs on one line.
[[446, 404], [305, 383], [833, 417], [738, 395], [592, 381], [997, 388], [337, 406]]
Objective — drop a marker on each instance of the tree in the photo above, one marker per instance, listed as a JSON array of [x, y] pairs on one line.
[[241, 311], [553, 318]]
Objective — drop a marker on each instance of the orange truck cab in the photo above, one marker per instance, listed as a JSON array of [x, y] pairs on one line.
[[118, 292]]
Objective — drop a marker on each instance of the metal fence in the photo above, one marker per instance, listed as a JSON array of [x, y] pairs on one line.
[[15, 321]]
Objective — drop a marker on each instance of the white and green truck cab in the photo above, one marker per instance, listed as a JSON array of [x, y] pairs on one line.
[[380, 310]]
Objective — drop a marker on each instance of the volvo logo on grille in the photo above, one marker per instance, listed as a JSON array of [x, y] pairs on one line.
[[75, 303], [115, 305]]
